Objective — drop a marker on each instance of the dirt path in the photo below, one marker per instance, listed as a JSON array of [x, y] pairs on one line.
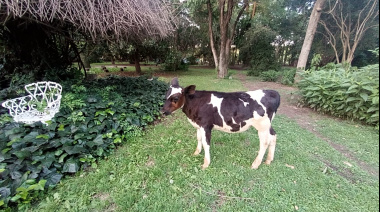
[[305, 118]]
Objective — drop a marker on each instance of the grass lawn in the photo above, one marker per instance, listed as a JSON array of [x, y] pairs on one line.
[[157, 172]]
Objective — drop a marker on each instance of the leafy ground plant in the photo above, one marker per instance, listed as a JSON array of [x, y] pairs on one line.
[[344, 92], [157, 172], [94, 118]]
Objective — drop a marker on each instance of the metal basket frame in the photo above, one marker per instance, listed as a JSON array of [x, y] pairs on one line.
[[42, 103]]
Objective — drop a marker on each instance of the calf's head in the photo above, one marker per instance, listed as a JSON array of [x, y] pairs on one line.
[[174, 98]]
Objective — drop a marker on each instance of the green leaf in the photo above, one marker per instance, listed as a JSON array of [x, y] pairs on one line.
[[44, 136], [15, 198], [22, 154], [372, 109], [98, 140], [61, 127], [364, 96], [62, 158], [30, 137], [74, 149], [350, 99], [71, 166], [58, 152], [352, 87]]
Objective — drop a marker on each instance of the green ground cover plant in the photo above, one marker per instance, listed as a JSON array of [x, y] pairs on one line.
[[95, 117], [157, 171], [344, 92]]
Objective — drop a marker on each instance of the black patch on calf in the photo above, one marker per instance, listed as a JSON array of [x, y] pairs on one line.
[[271, 131], [235, 127], [199, 111], [271, 101]]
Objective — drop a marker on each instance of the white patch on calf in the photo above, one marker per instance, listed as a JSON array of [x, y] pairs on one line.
[[245, 103], [217, 102], [174, 91], [257, 95], [193, 123]]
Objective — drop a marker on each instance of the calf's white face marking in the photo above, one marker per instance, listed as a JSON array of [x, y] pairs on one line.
[[174, 91]]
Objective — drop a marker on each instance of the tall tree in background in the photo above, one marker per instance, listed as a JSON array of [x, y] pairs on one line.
[[227, 31], [309, 37], [346, 24], [221, 37]]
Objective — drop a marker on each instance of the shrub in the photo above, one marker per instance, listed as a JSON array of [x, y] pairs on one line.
[[344, 92], [257, 50], [288, 75], [95, 117], [174, 62], [269, 76]]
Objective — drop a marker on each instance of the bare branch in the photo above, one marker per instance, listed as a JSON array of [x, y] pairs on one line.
[[117, 18]]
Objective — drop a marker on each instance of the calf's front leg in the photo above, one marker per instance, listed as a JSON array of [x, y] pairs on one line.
[[199, 146], [264, 143], [206, 138]]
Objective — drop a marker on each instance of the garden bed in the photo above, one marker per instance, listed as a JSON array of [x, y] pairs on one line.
[[95, 117]]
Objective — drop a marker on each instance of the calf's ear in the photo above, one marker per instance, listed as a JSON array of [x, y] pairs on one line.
[[190, 90], [175, 82]]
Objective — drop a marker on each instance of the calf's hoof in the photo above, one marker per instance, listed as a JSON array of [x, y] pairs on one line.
[[268, 162], [204, 166], [255, 165], [197, 152]]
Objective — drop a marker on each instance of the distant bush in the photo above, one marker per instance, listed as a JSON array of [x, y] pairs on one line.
[[269, 76], [344, 91], [285, 76], [174, 62]]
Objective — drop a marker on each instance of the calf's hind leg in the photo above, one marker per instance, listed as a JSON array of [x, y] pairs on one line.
[[272, 146]]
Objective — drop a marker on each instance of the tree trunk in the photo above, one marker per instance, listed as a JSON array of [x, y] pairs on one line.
[[310, 32], [210, 34], [137, 63], [226, 8]]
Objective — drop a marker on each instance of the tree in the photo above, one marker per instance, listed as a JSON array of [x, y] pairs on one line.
[[226, 10], [258, 50], [309, 37], [346, 24], [228, 14]]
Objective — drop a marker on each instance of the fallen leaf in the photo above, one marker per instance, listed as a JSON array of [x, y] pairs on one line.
[[324, 170], [289, 166], [347, 163]]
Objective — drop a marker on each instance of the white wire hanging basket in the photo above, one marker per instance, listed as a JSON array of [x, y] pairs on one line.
[[41, 104]]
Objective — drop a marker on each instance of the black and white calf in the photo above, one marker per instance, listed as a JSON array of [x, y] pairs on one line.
[[228, 112]]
